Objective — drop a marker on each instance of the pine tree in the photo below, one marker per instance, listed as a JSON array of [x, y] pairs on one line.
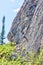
[[3, 30]]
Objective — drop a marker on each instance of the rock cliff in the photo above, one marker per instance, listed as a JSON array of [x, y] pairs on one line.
[[27, 26]]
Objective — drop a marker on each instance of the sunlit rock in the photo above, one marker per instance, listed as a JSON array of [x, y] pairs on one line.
[[27, 26]]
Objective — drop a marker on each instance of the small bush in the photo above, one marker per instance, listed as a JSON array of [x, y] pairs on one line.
[[10, 56]]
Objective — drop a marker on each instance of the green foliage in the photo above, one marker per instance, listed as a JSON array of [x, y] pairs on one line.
[[6, 51]]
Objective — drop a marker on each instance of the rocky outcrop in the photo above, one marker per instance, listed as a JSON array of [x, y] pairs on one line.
[[27, 26]]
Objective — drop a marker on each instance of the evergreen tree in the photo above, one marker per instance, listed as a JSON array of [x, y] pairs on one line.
[[3, 30]]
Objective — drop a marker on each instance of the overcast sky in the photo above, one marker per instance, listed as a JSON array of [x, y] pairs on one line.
[[9, 9]]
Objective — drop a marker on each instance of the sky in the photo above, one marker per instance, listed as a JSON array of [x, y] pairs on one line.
[[9, 9]]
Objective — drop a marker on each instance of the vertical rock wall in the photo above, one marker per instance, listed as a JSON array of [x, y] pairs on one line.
[[27, 26]]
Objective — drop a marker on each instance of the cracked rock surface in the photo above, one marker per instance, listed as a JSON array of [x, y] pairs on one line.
[[27, 26]]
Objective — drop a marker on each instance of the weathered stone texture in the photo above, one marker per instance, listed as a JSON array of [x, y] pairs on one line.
[[27, 27]]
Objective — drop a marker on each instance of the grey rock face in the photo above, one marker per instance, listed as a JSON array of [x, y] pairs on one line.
[[27, 27]]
